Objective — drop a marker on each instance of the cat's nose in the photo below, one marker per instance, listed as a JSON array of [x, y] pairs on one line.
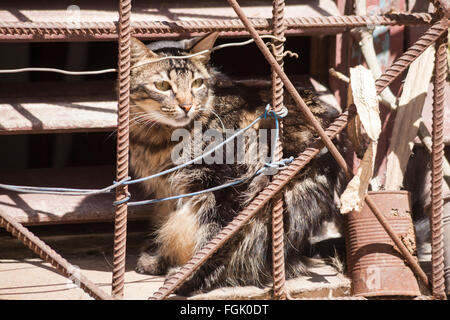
[[186, 107]]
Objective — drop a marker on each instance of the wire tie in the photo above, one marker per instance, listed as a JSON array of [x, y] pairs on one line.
[[128, 197]]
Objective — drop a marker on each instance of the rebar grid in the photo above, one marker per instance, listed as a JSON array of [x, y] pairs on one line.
[[109, 30], [120, 219], [278, 268], [48, 254], [11, 31], [437, 238], [192, 265]]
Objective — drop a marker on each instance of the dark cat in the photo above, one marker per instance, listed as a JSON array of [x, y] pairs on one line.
[[173, 94]]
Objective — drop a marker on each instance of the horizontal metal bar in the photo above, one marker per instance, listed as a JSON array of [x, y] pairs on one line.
[[94, 31]]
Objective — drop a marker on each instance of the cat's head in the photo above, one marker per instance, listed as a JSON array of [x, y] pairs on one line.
[[172, 91]]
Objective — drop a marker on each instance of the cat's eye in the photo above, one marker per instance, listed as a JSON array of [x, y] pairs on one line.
[[197, 83], [162, 85]]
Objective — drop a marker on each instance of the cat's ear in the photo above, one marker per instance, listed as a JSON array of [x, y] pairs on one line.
[[205, 43], [139, 51]]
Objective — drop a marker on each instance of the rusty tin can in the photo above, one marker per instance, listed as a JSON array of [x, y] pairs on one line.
[[375, 265]]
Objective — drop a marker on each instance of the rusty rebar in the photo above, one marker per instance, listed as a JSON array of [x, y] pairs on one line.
[[415, 267], [120, 218], [51, 31], [199, 258], [280, 180], [278, 267], [400, 65], [437, 237], [48, 254]]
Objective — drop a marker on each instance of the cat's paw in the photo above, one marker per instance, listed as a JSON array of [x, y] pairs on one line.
[[150, 264]]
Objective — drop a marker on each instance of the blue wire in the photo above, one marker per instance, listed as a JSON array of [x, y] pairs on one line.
[[223, 186]]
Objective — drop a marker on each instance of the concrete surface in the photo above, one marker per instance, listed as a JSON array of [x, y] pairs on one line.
[[34, 279]]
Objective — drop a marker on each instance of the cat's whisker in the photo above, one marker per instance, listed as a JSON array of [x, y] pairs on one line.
[[114, 132]]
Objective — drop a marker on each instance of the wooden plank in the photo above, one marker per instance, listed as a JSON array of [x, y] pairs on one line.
[[75, 107], [57, 107], [143, 10], [38, 209]]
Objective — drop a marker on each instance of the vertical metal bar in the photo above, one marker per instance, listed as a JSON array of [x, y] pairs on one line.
[[437, 239], [120, 221], [278, 268]]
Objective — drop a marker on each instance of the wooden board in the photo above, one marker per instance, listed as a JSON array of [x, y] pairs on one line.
[[143, 10], [38, 209], [57, 107], [81, 107]]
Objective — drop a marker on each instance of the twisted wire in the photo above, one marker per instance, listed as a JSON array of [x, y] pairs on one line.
[[437, 237], [99, 30], [278, 267], [400, 65], [120, 218], [276, 185], [48, 254]]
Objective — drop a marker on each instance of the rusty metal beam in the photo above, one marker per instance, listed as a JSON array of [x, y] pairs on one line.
[[123, 112], [278, 267], [437, 237], [95, 31]]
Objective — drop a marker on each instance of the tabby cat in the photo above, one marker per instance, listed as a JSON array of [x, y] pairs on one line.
[[177, 93]]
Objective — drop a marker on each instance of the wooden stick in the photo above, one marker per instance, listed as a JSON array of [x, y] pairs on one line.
[[423, 132]]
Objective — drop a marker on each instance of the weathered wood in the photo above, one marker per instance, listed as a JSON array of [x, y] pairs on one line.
[[38, 209], [81, 107], [170, 10], [407, 118], [57, 107]]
